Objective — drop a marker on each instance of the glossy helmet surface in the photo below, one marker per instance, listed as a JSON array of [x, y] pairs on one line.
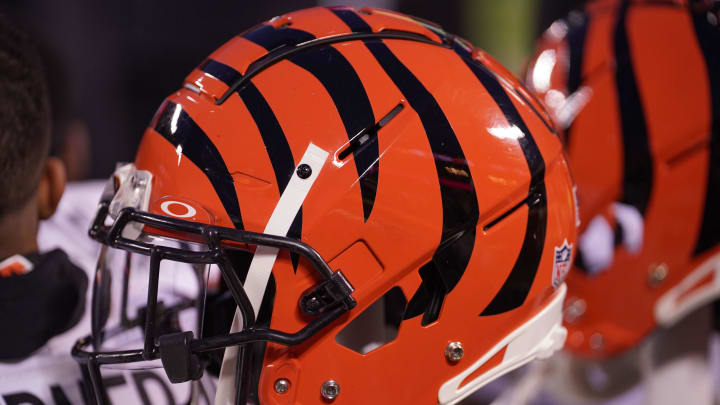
[[635, 87], [380, 146]]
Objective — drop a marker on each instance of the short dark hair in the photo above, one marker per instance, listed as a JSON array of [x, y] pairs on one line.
[[24, 117]]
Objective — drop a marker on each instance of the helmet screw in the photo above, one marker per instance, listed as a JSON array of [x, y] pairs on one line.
[[597, 342], [282, 385], [575, 309], [454, 352], [658, 274], [313, 304], [304, 171], [712, 18], [330, 389]]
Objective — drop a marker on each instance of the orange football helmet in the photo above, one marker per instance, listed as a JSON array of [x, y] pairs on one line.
[[635, 86], [390, 210]]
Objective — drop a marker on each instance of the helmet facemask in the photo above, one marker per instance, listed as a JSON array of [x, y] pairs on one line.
[[173, 264]]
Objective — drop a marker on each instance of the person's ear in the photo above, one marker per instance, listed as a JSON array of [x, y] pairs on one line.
[[51, 187]]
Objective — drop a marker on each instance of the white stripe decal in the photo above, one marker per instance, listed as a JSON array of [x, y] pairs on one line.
[[282, 217], [226, 387], [264, 259]]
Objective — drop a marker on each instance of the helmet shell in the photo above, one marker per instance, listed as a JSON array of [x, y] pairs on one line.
[[460, 200]]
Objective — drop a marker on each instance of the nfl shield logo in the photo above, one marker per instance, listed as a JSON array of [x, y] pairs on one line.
[[561, 264]]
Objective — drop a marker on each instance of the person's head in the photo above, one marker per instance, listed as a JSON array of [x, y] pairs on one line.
[[31, 183]]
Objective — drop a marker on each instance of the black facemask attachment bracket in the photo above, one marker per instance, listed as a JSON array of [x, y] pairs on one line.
[[180, 351]]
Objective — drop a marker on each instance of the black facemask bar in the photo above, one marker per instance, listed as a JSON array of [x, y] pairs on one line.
[[180, 352]]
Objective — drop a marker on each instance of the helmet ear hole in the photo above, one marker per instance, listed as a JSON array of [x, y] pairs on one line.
[[377, 325]]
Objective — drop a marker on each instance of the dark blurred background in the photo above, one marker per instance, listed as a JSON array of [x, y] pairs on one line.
[[111, 63]]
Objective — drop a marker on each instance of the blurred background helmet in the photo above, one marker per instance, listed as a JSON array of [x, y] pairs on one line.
[[387, 207], [635, 88]]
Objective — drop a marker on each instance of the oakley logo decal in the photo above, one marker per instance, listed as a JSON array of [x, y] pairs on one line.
[[186, 210]]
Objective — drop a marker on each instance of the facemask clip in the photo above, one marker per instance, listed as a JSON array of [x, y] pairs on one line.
[[327, 294], [179, 362]]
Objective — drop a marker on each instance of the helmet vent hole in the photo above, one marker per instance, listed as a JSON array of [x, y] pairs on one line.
[[377, 326], [364, 137]]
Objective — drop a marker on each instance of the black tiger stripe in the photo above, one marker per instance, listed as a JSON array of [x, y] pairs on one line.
[[271, 38], [272, 134], [708, 37], [637, 160], [276, 144], [459, 200], [577, 33], [344, 86], [283, 164], [516, 287], [186, 133], [351, 19]]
